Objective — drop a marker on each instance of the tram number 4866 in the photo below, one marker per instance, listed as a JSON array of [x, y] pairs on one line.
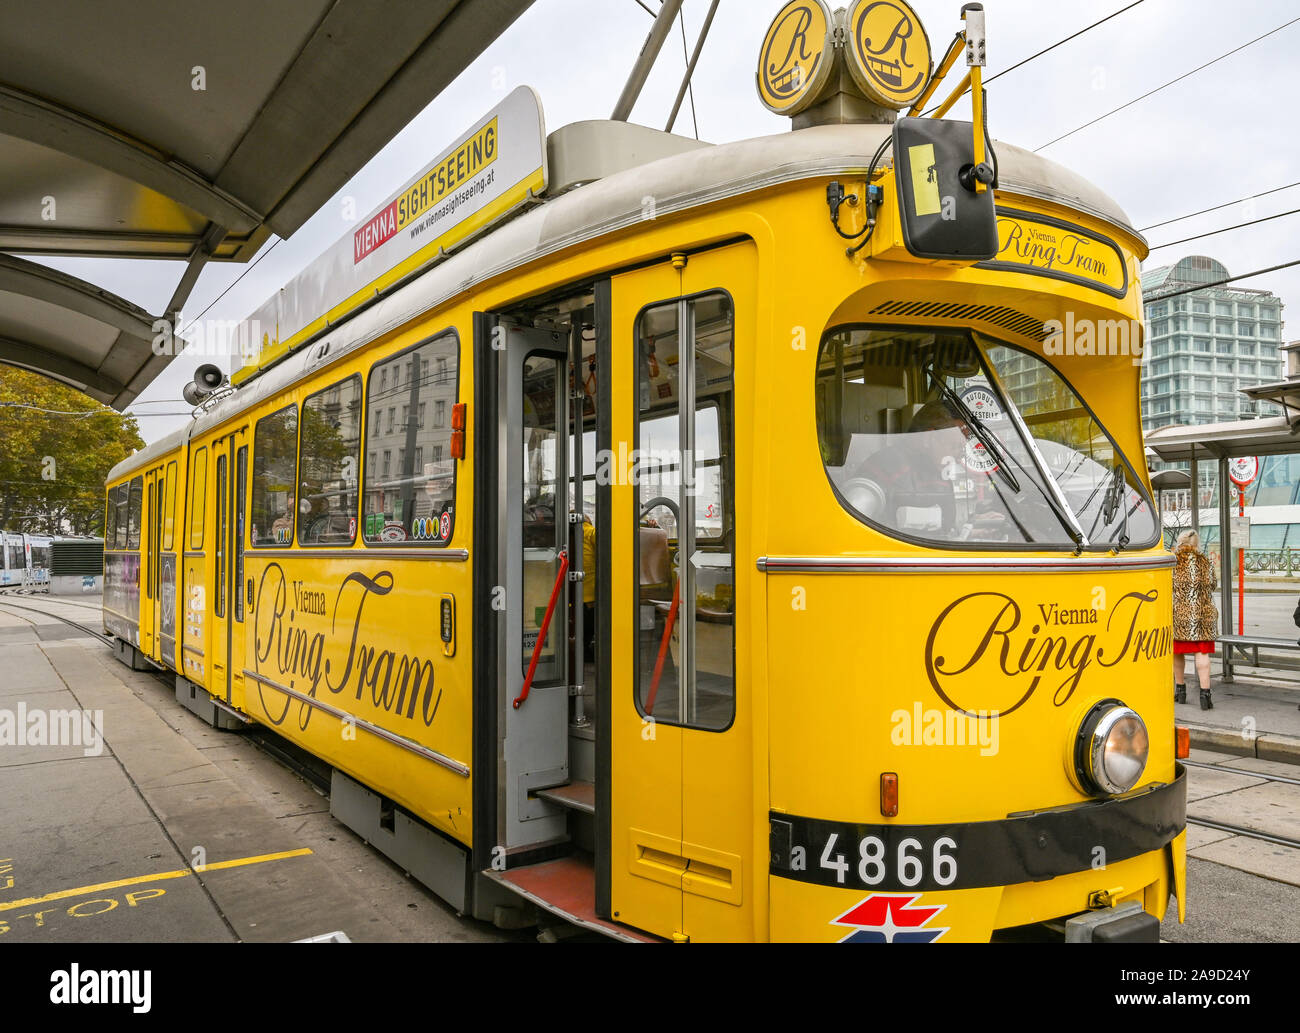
[[909, 859]]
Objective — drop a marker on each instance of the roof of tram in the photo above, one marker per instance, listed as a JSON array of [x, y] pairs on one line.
[[191, 131]]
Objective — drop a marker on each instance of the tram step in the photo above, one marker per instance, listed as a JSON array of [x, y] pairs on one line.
[[566, 887], [576, 796]]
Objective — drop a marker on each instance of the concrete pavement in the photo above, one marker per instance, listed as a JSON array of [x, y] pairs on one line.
[[158, 828]]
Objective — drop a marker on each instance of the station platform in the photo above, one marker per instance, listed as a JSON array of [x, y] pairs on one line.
[[148, 825]]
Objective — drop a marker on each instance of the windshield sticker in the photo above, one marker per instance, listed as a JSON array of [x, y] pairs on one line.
[[977, 457], [982, 402]]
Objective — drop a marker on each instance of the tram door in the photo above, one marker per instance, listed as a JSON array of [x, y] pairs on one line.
[[684, 864], [229, 495], [533, 470], [150, 548]]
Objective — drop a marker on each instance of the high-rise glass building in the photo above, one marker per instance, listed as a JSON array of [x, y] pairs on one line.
[[1204, 346]]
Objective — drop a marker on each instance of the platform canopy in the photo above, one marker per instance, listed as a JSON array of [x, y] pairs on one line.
[[193, 131], [1271, 436], [1285, 393]]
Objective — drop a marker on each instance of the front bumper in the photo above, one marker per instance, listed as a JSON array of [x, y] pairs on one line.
[[1025, 847]]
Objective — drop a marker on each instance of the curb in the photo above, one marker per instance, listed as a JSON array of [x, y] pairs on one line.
[[1263, 746]]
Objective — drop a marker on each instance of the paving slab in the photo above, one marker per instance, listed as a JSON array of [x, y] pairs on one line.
[[1199, 836], [1265, 767], [1213, 757], [166, 794], [1272, 861], [1207, 782], [1273, 808]]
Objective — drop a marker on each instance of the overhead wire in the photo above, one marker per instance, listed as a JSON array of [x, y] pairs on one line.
[[1165, 86], [1220, 283], [1059, 42], [1217, 207], [1226, 229]]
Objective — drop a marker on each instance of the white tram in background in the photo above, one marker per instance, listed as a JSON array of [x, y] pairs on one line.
[[24, 559]]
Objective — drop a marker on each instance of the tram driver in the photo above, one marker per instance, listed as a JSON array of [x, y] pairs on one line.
[[909, 483]]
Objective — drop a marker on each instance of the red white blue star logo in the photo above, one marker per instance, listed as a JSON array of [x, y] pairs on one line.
[[881, 918]]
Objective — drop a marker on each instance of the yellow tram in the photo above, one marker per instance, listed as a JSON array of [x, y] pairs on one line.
[[638, 543]]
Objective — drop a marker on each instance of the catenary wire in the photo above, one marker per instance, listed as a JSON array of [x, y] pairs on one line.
[[1164, 86]]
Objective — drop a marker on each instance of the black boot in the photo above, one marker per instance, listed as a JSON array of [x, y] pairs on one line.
[[1180, 693], [1206, 702]]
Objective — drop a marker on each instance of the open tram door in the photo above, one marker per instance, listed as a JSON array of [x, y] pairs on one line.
[[523, 579], [541, 636]]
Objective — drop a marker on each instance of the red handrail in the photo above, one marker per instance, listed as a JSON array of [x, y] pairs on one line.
[[653, 694], [546, 625]]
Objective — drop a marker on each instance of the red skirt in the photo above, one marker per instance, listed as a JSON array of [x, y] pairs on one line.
[[1192, 647]]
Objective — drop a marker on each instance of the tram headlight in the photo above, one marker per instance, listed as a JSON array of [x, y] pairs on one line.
[[1111, 748]]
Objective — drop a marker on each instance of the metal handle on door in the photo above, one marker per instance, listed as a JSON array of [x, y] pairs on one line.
[[250, 593]]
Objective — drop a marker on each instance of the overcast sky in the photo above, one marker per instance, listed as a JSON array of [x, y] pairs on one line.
[[1223, 133]]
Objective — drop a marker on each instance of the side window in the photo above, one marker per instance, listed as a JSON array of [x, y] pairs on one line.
[[330, 465], [110, 520], [684, 398], [198, 496], [120, 534], [223, 534], [275, 453], [133, 514], [169, 508], [415, 500]]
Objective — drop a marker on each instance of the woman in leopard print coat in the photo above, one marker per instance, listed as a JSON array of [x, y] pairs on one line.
[[1196, 621]]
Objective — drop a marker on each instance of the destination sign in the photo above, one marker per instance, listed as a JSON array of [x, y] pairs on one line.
[[1044, 246]]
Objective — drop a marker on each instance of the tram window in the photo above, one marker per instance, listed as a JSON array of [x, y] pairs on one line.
[[275, 453], [133, 513], [329, 465], [169, 508], [926, 434], [222, 536], [414, 501], [697, 688], [110, 519], [198, 496], [241, 497], [123, 490]]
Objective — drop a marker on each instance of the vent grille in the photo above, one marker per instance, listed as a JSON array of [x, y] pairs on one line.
[[70, 559], [998, 315]]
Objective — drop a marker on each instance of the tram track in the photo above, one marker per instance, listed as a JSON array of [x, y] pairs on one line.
[[1242, 771], [6, 604], [1242, 830]]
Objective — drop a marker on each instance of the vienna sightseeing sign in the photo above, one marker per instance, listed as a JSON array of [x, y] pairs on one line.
[[492, 169]]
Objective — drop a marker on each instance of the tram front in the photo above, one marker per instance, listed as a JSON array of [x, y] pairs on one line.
[[971, 594]]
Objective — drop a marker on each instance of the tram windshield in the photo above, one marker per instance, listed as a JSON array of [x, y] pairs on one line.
[[947, 436]]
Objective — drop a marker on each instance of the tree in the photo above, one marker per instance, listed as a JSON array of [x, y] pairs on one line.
[[56, 447]]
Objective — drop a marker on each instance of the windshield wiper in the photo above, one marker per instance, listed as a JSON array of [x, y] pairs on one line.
[[990, 443], [1055, 497], [1115, 501]]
